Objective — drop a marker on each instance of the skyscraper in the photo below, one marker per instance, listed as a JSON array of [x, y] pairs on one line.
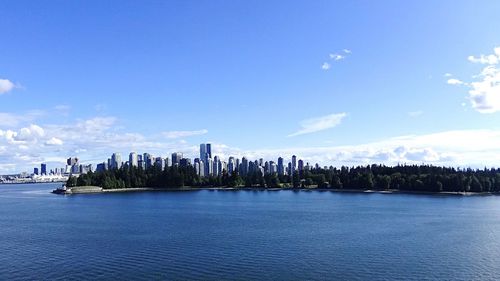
[[176, 158], [43, 169], [216, 166], [116, 160], [281, 168], [132, 159], [301, 167], [35, 171], [203, 151], [230, 165], [209, 150], [294, 164]]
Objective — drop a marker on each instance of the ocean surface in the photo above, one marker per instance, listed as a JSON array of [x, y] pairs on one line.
[[246, 235]]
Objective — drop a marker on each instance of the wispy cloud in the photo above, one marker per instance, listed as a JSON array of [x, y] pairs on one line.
[[416, 113], [454, 81], [484, 91], [317, 124], [336, 57], [6, 86], [183, 134]]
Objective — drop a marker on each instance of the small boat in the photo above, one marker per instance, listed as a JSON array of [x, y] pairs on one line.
[[60, 190]]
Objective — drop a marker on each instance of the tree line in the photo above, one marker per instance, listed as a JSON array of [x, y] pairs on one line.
[[402, 177]]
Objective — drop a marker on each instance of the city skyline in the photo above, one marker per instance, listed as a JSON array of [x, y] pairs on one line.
[[365, 83]]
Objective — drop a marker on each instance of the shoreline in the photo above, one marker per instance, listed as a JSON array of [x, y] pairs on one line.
[[99, 190]]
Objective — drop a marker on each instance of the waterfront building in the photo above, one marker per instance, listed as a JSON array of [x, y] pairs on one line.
[[294, 164], [35, 171], [167, 162]]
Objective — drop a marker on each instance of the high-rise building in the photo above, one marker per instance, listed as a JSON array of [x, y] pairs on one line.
[[202, 169], [72, 161], [176, 158], [116, 161], [209, 150], [35, 171], [216, 166], [230, 165], [273, 168], [133, 159], [244, 166], [301, 167], [294, 164], [43, 169], [281, 167], [203, 151], [159, 163], [184, 162]]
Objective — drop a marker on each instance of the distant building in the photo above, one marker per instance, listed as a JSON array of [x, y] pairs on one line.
[[133, 160], [43, 169], [294, 164], [281, 167], [116, 161], [176, 158], [35, 171], [159, 163], [184, 162], [301, 167]]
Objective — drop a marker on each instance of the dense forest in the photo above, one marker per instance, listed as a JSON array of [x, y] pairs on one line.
[[379, 177]]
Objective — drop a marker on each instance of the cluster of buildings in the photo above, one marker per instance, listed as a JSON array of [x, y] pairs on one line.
[[207, 164], [73, 167]]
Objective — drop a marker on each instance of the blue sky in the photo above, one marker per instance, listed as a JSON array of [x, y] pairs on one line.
[[335, 82]]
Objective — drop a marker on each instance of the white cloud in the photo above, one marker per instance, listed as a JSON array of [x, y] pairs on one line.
[[476, 148], [183, 134], [489, 59], [447, 75], [454, 81], [54, 141], [319, 124], [325, 66], [484, 91], [337, 57], [6, 86], [347, 51]]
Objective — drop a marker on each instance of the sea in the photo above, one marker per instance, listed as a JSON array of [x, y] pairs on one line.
[[246, 235]]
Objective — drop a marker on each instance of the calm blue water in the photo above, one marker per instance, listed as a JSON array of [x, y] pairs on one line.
[[246, 235]]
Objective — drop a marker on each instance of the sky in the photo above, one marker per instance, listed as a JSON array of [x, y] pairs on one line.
[[333, 82]]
